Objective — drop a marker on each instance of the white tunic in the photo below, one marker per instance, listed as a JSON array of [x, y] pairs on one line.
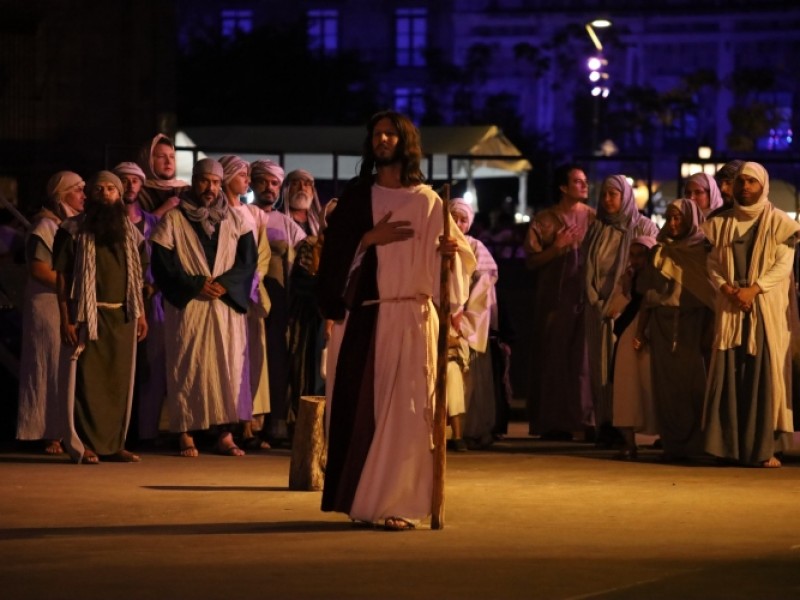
[[397, 477], [40, 416], [206, 341]]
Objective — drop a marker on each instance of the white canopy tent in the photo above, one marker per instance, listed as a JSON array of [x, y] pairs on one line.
[[334, 153]]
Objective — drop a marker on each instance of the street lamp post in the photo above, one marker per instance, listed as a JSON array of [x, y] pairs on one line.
[[599, 80], [598, 76]]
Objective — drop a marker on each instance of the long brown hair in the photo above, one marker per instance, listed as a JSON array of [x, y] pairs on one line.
[[409, 148]]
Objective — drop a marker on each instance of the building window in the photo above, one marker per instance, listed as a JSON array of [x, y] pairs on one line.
[[235, 21], [411, 30], [323, 31], [410, 101]]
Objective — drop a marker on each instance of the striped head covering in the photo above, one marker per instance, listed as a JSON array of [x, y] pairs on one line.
[[266, 167], [129, 168], [232, 165]]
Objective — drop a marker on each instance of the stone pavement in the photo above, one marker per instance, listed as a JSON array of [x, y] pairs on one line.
[[525, 519]]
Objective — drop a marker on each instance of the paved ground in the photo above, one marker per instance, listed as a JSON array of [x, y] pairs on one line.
[[527, 519]]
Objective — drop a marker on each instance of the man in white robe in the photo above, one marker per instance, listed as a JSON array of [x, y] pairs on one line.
[[379, 278], [285, 236], [204, 257]]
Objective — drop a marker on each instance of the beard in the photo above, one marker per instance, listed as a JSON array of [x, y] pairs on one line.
[[107, 222], [300, 201], [385, 161]]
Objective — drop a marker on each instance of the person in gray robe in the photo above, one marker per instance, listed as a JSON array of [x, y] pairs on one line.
[[98, 257], [748, 411]]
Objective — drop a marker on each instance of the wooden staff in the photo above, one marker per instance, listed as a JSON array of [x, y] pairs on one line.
[[440, 410]]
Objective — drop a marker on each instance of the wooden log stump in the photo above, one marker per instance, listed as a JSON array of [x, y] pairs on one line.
[[309, 446]]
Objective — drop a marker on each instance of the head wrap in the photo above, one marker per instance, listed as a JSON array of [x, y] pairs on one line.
[[146, 161], [628, 214], [266, 167], [728, 171], [60, 183], [232, 165], [747, 213], [463, 205], [692, 218], [599, 242], [108, 177], [709, 184], [129, 168], [647, 241], [208, 166], [683, 259], [316, 207]]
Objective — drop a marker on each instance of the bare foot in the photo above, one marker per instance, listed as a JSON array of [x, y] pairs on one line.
[[54, 447], [227, 447], [188, 448], [772, 463], [125, 457], [89, 457]]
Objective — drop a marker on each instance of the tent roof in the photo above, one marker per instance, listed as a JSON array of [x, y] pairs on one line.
[[477, 140]]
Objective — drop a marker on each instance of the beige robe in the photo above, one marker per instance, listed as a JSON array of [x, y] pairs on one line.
[[397, 478], [205, 341]]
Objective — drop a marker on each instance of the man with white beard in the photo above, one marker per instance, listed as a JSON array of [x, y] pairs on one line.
[[305, 333], [301, 201]]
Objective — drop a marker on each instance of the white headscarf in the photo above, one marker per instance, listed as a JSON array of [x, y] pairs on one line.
[[463, 205], [748, 213], [709, 184]]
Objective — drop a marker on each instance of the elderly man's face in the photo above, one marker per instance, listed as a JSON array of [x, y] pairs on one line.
[[106, 192], [132, 186], [300, 193], [206, 187], [164, 161], [267, 189]]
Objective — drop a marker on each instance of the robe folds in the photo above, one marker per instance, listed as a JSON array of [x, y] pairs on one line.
[[43, 358], [383, 352], [206, 341]]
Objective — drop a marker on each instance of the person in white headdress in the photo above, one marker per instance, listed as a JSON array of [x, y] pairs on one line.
[[675, 324], [285, 236], [162, 188], [748, 410], [606, 250], [472, 329], [254, 400], [204, 257], [305, 325], [301, 200], [151, 379], [38, 416], [99, 258], [702, 190]]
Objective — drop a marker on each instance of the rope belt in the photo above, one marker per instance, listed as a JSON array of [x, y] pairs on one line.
[[109, 305], [421, 298]]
